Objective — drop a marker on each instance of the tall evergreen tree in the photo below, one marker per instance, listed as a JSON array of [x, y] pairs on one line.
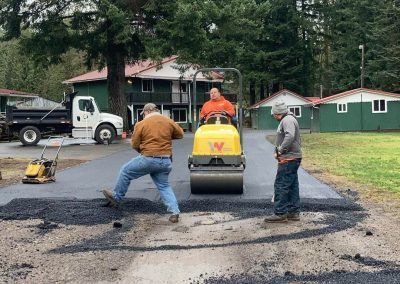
[[111, 32], [352, 22], [383, 68]]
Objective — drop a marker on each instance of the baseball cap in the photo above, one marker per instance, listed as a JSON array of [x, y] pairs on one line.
[[149, 107]]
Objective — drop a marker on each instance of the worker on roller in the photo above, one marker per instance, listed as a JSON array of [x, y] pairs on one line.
[[217, 103]]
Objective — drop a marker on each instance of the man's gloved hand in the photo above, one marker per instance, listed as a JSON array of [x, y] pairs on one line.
[[277, 153]]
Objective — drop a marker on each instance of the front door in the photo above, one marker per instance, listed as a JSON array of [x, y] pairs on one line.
[[176, 96]]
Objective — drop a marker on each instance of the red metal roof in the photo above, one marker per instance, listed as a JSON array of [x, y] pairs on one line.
[[9, 92], [350, 92], [258, 104], [312, 99], [130, 71]]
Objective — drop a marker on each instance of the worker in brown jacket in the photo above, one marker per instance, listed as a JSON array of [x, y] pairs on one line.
[[152, 138]]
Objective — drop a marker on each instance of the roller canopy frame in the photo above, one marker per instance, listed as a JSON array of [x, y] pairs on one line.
[[239, 102], [225, 177]]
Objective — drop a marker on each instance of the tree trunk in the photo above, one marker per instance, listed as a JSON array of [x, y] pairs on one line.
[[262, 93], [117, 102], [252, 93]]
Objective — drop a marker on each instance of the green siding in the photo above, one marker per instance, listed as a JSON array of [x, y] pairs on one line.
[[331, 120], [352, 120], [265, 120], [268, 122], [201, 95], [304, 120], [382, 121], [254, 118], [96, 89], [135, 87], [162, 86], [159, 86]]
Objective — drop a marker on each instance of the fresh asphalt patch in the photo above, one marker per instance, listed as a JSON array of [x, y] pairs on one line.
[[387, 276], [341, 215]]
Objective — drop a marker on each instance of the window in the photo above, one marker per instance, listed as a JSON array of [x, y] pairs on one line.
[[179, 115], [379, 106], [341, 107], [296, 110], [184, 87], [84, 105], [147, 85]]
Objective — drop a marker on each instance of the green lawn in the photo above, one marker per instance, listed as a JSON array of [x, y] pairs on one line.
[[371, 159]]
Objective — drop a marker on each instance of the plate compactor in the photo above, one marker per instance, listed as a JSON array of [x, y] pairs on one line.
[[43, 170], [217, 162]]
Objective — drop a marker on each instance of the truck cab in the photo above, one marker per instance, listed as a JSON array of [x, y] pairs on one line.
[[88, 121]]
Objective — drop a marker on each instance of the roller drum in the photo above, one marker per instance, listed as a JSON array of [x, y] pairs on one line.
[[209, 181]]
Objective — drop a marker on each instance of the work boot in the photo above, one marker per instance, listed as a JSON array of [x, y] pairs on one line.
[[174, 218], [295, 216], [281, 218], [110, 198]]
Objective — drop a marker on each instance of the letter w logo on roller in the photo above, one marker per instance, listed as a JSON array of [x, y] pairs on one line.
[[216, 146]]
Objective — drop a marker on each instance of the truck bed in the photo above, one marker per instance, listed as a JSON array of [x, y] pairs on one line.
[[37, 116]]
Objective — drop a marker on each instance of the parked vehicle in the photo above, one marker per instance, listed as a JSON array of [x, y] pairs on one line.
[[77, 116]]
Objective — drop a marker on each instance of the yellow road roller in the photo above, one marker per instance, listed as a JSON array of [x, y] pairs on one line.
[[217, 161]]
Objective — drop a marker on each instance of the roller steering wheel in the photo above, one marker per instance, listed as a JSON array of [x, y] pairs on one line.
[[218, 113]]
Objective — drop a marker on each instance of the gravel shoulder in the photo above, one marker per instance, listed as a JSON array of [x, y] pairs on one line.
[[13, 169]]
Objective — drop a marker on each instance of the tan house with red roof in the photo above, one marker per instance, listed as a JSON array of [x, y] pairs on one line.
[[356, 110], [162, 83], [261, 112]]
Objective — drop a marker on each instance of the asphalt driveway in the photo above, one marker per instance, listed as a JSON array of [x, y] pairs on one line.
[[87, 180]]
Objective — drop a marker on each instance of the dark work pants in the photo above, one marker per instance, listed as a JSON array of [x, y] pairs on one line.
[[286, 186]]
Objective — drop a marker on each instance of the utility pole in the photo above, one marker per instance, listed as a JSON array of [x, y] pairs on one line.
[[362, 64]]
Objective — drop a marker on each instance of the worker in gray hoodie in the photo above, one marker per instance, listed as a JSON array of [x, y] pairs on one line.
[[288, 154]]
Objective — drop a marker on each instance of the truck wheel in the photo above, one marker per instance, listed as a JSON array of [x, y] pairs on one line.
[[105, 133], [29, 135]]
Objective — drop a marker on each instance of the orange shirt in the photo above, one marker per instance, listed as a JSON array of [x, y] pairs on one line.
[[217, 105]]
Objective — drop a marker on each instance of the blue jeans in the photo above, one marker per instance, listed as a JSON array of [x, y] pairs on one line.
[[286, 186], [158, 169]]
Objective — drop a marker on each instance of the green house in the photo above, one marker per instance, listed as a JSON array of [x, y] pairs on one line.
[[260, 112], [147, 81], [356, 110]]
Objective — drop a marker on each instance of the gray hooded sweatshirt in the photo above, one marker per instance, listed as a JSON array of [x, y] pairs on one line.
[[288, 138]]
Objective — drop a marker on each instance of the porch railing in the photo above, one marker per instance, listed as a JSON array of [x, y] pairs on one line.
[[160, 97]]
